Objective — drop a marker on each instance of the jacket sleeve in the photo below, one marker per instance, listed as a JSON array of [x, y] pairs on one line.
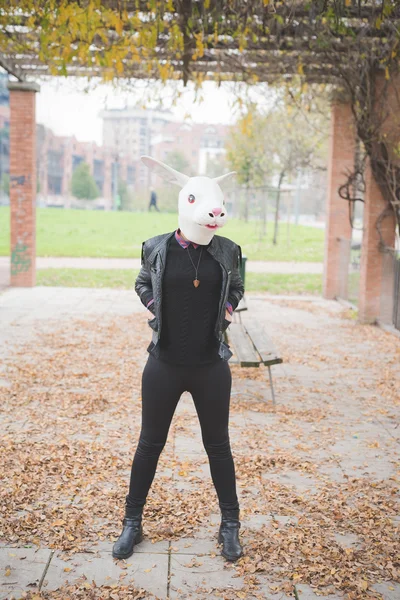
[[236, 288], [143, 286]]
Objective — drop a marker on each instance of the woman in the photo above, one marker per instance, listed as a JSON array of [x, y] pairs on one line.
[[190, 281]]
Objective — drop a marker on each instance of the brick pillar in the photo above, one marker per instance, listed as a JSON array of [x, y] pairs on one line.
[[373, 273], [377, 276], [338, 229], [23, 182]]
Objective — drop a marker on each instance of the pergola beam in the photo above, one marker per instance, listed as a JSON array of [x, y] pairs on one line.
[[215, 70], [355, 10], [261, 63]]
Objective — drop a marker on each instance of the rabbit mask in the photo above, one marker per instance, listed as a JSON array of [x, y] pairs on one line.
[[201, 201]]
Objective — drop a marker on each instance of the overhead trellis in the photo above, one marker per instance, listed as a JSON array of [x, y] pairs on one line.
[[251, 41]]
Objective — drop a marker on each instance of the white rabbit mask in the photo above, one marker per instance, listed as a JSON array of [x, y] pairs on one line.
[[201, 201]]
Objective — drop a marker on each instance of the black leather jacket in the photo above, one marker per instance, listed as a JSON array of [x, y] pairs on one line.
[[149, 283]]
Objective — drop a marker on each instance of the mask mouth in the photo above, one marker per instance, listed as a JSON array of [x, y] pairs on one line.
[[212, 226]]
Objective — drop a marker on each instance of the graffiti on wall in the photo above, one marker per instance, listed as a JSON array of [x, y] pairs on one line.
[[20, 259], [16, 180]]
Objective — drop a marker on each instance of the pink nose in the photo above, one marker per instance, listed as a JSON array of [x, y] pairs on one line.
[[217, 211]]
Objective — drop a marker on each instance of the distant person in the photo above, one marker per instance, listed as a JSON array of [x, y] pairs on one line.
[[153, 200]]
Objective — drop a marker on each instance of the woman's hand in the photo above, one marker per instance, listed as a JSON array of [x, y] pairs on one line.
[[228, 315]]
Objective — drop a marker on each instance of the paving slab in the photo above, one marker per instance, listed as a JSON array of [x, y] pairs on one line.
[[146, 546], [189, 572], [186, 447], [255, 521], [388, 589], [296, 479], [347, 540], [306, 592], [21, 570], [144, 569], [196, 545]]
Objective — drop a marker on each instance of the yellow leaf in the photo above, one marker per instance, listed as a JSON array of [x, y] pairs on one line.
[[58, 523], [387, 74], [300, 69], [8, 572], [67, 569], [119, 26]]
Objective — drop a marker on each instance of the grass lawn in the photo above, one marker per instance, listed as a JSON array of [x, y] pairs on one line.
[[68, 232], [124, 278]]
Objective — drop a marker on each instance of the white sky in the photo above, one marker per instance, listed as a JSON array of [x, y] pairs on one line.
[[71, 106]]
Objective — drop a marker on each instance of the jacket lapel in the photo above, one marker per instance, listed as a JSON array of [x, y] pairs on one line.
[[161, 247], [215, 250]]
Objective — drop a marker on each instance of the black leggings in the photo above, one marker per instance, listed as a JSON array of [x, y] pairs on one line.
[[162, 387]]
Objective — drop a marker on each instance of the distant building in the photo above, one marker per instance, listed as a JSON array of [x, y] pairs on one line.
[[129, 133], [58, 157], [202, 145]]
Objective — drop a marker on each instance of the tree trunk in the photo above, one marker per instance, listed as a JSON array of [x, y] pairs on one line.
[[289, 212], [278, 199], [264, 196], [246, 204]]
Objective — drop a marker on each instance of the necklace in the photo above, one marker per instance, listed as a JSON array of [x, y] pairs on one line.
[[196, 281]]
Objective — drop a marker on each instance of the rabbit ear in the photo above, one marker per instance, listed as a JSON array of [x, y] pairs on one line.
[[222, 179], [167, 173]]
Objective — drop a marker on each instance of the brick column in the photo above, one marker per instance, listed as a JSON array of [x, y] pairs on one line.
[[373, 273], [341, 160], [377, 276], [23, 182]]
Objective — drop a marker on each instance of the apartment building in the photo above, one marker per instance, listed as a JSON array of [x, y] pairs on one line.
[[129, 133]]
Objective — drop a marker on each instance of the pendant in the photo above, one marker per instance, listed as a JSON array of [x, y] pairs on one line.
[[196, 283]]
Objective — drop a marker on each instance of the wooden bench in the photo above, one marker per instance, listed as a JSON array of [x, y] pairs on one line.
[[252, 347], [239, 309]]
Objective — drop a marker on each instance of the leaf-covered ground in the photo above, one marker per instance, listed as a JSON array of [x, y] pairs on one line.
[[317, 474]]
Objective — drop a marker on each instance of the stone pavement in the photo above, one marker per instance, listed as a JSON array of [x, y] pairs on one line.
[[332, 441], [252, 266], [4, 272]]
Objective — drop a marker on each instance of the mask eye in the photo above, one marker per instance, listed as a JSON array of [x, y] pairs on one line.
[[191, 198]]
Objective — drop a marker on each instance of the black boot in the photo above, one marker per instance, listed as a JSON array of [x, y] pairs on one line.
[[229, 535], [132, 533]]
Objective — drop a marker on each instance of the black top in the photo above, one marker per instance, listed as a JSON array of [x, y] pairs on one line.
[[189, 314]]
